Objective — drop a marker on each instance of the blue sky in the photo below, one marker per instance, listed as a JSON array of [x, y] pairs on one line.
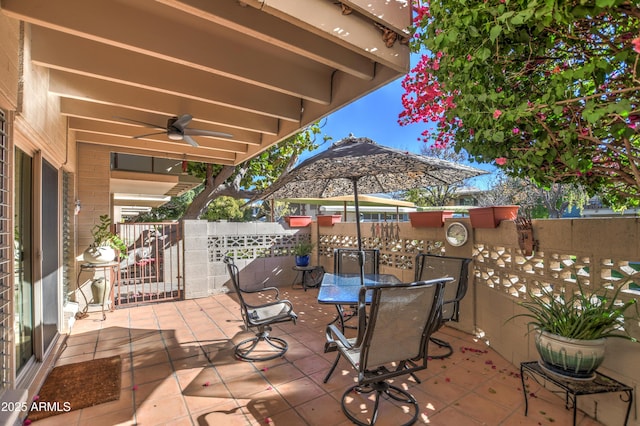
[[375, 116]]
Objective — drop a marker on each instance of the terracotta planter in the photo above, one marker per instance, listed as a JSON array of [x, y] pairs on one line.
[[430, 219], [490, 217], [298, 221], [329, 220]]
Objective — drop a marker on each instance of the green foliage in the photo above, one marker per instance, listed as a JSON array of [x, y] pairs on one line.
[[253, 175], [270, 164], [550, 89], [582, 315], [102, 235], [303, 248], [226, 208], [173, 210]]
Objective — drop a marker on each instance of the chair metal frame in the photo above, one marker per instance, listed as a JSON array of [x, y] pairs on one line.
[[260, 317], [373, 356], [370, 262], [426, 268]]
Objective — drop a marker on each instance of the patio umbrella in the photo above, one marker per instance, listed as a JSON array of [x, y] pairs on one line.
[[359, 165]]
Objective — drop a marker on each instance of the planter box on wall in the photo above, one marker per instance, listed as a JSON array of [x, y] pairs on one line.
[[430, 219], [298, 221], [490, 217], [329, 220]]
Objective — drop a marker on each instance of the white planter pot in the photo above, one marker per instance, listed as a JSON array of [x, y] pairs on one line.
[[570, 357], [104, 254]]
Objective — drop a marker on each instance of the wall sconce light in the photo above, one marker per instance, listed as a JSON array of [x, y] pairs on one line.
[[77, 208]]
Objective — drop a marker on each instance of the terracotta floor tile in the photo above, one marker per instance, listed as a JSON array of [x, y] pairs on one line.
[[245, 387], [322, 411], [143, 375], [300, 391], [266, 404], [451, 417], [162, 411], [179, 358], [482, 409], [282, 374]]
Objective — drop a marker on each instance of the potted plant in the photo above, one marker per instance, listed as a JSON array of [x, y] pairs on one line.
[[302, 252], [105, 243], [571, 330]]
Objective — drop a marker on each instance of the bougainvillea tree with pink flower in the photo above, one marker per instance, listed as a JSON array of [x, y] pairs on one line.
[[547, 90]]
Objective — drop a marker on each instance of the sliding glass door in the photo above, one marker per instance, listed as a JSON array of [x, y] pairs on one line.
[[50, 254], [23, 297]]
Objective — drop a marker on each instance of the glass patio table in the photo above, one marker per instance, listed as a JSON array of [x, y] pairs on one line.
[[343, 289]]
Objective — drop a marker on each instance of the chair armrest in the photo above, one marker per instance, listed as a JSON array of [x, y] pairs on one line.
[[332, 331]]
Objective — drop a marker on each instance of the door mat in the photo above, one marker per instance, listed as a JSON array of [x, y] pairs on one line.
[[75, 386]]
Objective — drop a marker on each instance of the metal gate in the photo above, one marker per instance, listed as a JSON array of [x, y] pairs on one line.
[[151, 269]]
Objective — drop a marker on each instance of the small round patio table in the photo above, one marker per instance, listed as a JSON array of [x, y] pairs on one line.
[[303, 270]]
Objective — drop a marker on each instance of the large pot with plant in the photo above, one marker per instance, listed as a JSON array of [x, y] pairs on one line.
[[571, 329], [105, 245], [302, 252]]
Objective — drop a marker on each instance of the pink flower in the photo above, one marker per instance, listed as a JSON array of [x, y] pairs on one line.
[[497, 113], [636, 44], [515, 131], [469, 58], [501, 161]]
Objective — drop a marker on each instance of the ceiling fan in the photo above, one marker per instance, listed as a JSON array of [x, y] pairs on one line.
[[177, 130]]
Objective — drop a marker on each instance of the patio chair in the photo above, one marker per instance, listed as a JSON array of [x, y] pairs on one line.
[[429, 267], [401, 319], [260, 317], [346, 261]]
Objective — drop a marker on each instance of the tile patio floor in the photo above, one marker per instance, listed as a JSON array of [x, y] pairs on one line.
[[179, 369]]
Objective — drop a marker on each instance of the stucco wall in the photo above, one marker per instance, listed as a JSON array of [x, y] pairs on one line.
[[262, 252]]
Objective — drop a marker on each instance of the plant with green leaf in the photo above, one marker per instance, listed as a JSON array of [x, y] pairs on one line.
[[103, 237], [303, 248], [546, 90], [247, 179], [581, 315]]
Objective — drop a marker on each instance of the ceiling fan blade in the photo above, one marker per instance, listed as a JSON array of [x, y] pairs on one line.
[[153, 126], [149, 134], [190, 141], [200, 132], [182, 121]]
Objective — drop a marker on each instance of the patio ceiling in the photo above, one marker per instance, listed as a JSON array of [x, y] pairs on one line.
[[258, 70]]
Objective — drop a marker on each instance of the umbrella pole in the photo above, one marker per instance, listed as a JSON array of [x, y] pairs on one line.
[[355, 195], [358, 234]]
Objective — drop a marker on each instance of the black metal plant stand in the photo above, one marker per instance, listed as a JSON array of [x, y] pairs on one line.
[[573, 388]]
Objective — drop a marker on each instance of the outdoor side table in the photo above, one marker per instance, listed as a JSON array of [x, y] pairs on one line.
[[574, 388], [111, 273], [304, 270]]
